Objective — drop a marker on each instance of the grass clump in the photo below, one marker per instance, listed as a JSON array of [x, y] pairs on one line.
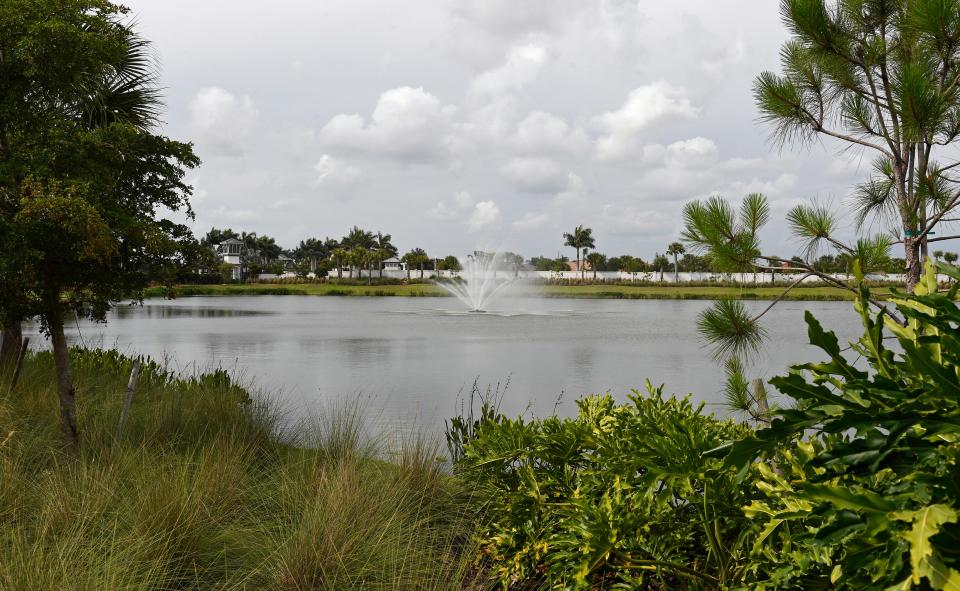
[[205, 490]]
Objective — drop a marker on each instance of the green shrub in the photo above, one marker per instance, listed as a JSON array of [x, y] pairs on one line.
[[861, 479], [618, 497]]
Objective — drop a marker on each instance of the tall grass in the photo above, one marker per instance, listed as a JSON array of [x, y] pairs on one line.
[[203, 491]]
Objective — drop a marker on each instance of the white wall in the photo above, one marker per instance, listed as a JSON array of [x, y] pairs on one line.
[[649, 276]]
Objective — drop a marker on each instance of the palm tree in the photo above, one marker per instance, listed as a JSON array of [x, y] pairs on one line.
[[358, 238], [268, 249], [950, 257], [580, 238], [416, 257], [339, 255], [311, 250], [675, 250], [596, 261], [384, 249], [360, 258], [660, 263]]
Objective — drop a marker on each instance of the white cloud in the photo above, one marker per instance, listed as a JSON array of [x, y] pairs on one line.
[[717, 54], [631, 219], [485, 214], [222, 121], [463, 199], [501, 98], [541, 133], [644, 107], [452, 210], [331, 170], [523, 65], [225, 215], [537, 175], [779, 187], [407, 123], [698, 151], [530, 221]]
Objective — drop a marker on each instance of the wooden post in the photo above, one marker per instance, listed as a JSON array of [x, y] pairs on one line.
[[760, 395], [128, 399], [20, 355]]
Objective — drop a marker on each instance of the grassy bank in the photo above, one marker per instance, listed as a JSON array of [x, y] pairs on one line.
[[672, 292], [314, 289], [595, 291], [199, 492]]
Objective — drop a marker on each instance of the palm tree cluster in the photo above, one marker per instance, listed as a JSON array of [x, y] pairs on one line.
[[359, 251]]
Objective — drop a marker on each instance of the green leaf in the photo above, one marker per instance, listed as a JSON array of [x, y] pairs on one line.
[[923, 560], [845, 498]]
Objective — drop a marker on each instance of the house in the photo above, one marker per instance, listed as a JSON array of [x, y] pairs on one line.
[[231, 251], [394, 264], [579, 265], [288, 263]]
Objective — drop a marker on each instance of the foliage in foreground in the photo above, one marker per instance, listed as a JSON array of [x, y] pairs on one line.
[[854, 485], [199, 493], [619, 497], [861, 478]]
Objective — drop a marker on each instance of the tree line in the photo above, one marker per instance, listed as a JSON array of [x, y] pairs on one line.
[[357, 250]]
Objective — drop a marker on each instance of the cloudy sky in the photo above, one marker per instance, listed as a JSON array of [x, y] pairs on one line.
[[456, 124]]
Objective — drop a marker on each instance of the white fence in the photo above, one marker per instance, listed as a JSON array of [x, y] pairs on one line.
[[616, 276]]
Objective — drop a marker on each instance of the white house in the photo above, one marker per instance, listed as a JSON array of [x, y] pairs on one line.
[[394, 264], [230, 251]]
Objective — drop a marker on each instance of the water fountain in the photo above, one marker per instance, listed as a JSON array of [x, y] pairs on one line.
[[483, 277]]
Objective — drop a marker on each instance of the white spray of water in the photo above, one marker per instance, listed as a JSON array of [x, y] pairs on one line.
[[482, 278]]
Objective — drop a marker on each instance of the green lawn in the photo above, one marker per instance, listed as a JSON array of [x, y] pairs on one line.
[[669, 292], [640, 292]]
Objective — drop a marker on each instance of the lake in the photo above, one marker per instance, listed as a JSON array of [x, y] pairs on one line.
[[408, 359]]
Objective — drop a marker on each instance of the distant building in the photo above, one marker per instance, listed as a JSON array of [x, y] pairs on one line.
[[288, 263], [579, 265], [394, 264], [231, 251]]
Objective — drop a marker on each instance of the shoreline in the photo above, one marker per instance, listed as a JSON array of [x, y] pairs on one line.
[[592, 291]]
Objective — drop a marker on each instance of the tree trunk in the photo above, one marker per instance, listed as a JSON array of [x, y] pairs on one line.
[[914, 263], [9, 344], [65, 389], [676, 270]]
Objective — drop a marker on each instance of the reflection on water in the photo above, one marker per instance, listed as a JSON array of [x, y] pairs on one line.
[[411, 359], [171, 311]]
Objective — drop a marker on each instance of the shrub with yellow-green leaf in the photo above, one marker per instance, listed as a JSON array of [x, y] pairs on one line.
[[619, 497], [861, 477]]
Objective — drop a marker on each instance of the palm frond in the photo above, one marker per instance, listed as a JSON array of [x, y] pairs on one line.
[[126, 91]]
